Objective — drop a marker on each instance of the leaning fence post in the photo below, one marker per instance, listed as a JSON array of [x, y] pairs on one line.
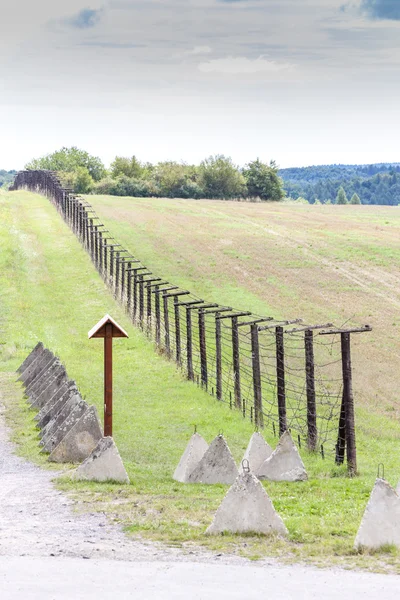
[[310, 385], [189, 348], [177, 330], [255, 357], [203, 349], [236, 362], [349, 404], [218, 356], [280, 379], [166, 325]]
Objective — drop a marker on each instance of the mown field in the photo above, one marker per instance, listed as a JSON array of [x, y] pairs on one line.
[[319, 263]]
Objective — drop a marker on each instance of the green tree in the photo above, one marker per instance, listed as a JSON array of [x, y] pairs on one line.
[[83, 181], [220, 178], [130, 167], [355, 199], [68, 160], [341, 197], [263, 181]]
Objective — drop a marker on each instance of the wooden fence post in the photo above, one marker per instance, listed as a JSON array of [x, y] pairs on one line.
[[158, 314], [189, 347], [203, 349], [349, 404], [149, 319], [280, 379], [255, 357], [218, 357], [236, 362], [166, 325], [177, 330], [312, 433], [141, 301], [116, 286]]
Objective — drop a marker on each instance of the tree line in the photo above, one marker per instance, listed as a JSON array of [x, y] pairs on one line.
[[216, 177], [373, 184], [6, 177]]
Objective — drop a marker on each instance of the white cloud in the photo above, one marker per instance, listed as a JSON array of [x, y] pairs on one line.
[[240, 65], [201, 50]]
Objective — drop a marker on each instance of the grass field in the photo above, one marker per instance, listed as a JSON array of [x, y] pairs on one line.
[[284, 260]]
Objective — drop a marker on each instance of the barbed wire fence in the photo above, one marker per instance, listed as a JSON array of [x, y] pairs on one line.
[[282, 375]]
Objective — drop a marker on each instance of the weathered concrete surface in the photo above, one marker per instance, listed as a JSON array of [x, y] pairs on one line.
[[256, 453], [54, 406], [76, 413], [103, 464], [50, 386], [380, 524], [247, 508], [216, 466], [36, 375], [191, 457], [80, 441], [38, 349], [35, 367], [58, 394], [42, 381], [285, 463], [52, 426]]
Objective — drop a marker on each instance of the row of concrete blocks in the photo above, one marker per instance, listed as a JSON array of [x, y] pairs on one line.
[[70, 430], [201, 463]]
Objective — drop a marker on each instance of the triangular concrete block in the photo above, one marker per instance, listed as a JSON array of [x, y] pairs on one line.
[[52, 383], [80, 441], [36, 367], [247, 508], [256, 453], [284, 464], [398, 488], [38, 349], [103, 464], [380, 524], [216, 466], [193, 454], [62, 430], [54, 424]]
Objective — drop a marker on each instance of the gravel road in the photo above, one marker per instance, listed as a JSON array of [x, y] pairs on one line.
[[44, 547]]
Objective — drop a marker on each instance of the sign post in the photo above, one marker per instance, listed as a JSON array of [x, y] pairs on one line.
[[107, 329]]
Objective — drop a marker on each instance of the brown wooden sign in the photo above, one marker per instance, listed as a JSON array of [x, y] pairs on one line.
[[108, 329]]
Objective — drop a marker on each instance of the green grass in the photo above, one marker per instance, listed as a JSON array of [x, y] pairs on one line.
[[51, 292]]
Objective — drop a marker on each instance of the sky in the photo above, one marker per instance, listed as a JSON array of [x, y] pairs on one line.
[[300, 82]]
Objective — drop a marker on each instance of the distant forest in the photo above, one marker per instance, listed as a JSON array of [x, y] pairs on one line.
[[6, 177], [374, 184]]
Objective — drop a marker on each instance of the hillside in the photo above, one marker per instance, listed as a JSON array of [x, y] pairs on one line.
[[374, 184], [293, 261], [6, 177]]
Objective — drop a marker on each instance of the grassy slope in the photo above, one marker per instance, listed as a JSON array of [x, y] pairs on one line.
[[50, 291]]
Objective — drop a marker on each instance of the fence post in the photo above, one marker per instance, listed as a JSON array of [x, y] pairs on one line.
[[218, 357], [166, 325], [280, 379], [348, 404], [236, 362], [158, 314], [141, 301], [177, 330], [341, 440], [203, 349], [189, 348], [101, 253], [91, 242], [116, 286], [255, 357], [149, 328], [312, 432]]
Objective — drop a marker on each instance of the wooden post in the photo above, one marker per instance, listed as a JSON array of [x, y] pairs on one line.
[[91, 238], [255, 357], [108, 390], [117, 255], [312, 433], [218, 357], [236, 362], [349, 404], [158, 315], [280, 380], [166, 325], [177, 330], [341, 441], [129, 289], [149, 293], [203, 349], [189, 349], [111, 266], [101, 253], [122, 280], [141, 301]]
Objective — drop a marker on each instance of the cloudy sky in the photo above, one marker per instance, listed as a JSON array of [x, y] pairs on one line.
[[299, 81]]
